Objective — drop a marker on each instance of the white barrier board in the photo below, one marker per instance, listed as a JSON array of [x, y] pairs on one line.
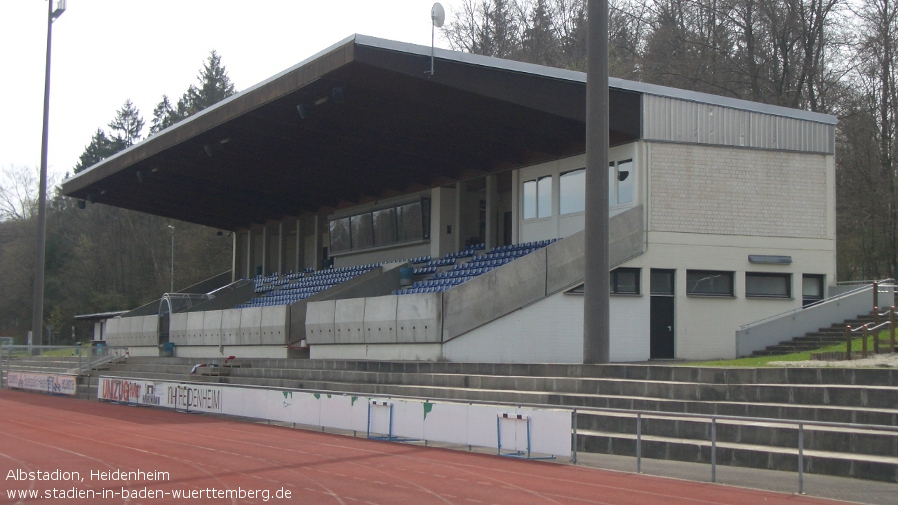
[[48, 383], [478, 425]]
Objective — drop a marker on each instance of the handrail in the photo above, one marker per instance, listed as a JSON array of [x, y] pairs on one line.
[[821, 302]]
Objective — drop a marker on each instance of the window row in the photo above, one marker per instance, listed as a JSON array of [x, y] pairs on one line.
[[379, 228], [537, 193], [625, 281]]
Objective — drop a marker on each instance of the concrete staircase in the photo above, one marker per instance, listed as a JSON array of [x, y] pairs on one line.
[[835, 334], [860, 396]]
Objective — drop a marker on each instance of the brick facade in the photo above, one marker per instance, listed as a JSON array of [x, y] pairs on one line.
[[731, 191]]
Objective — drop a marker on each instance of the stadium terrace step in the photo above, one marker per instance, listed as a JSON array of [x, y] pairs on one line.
[[857, 396], [869, 467]]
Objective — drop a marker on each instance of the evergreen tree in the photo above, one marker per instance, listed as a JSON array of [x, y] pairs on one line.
[[99, 148], [214, 86], [164, 115], [127, 126]]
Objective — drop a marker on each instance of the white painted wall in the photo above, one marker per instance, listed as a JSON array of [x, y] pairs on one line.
[[549, 331], [402, 352]]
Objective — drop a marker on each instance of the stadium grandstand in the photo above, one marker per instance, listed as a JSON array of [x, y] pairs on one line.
[[381, 212]]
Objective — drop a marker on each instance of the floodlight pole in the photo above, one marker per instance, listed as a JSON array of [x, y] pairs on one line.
[[37, 315], [596, 310]]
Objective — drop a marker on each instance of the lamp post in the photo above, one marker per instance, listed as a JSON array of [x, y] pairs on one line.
[[596, 310], [171, 288], [37, 315]]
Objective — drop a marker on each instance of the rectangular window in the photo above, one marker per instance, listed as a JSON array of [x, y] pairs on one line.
[[625, 281], [709, 283], [768, 285], [339, 235], [544, 196], [811, 288], [409, 222], [529, 199], [362, 230], [384, 227], [662, 282], [572, 192], [625, 178]]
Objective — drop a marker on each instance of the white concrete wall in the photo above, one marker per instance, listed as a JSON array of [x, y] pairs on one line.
[[240, 351], [549, 331], [402, 352]]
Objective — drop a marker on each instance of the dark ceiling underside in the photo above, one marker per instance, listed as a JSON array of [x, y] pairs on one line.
[[395, 131]]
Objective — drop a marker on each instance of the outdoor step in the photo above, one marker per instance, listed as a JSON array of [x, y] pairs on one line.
[[679, 373], [869, 467]]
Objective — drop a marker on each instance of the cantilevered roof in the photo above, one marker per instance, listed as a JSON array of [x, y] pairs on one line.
[[360, 121]]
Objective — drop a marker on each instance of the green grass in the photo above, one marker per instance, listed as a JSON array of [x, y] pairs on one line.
[[856, 346]]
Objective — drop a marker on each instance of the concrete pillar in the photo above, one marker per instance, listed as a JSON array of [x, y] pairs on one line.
[[249, 253], [515, 205], [299, 257], [281, 248], [317, 241], [233, 256], [265, 250], [492, 203], [459, 226]]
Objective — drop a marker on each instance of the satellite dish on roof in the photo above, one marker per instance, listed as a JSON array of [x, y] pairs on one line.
[[437, 15]]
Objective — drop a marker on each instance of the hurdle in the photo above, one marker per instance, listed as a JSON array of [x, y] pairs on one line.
[[389, 436], [515, 453]]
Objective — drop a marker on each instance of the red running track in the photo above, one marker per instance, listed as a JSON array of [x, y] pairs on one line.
[[207, 456]]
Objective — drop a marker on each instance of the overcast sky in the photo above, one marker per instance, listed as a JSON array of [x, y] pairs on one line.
[[107, 51]]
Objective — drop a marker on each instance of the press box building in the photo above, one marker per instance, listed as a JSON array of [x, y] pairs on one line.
[[380, 212]]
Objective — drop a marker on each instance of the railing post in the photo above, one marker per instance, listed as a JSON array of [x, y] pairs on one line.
[[892, 328], [864, 346], [2, 382], [713, 449], [848, 341], [638, 442], [800, 458], [574, 436], [875, 296]]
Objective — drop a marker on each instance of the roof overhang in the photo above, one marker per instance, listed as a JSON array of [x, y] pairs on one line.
[[374, 124]]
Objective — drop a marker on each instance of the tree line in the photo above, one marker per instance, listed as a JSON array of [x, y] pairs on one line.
[[102, 258], [830, 56]]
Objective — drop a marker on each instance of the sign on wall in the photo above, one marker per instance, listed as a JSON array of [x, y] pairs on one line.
[[48, 383]]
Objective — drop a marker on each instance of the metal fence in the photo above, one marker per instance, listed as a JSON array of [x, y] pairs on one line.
[[74, 359]]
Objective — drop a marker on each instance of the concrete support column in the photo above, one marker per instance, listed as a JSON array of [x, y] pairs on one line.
[[457, 241], [281, 248], [265, 250], [249, 253], [492, 202], [234, 257], [515, 205], [299, 258], [316, 240]]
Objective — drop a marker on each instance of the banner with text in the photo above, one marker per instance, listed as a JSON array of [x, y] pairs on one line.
[[48, 383]]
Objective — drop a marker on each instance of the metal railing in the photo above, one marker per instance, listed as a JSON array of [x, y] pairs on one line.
[[874, 285], [872, 328], [73, 360], [640, 415]]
